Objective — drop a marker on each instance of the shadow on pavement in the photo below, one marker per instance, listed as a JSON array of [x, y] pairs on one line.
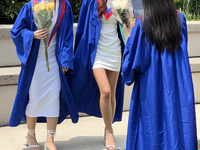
[[86, 143]]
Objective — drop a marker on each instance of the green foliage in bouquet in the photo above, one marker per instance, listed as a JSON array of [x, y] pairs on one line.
[[198, 145], [43, 18], [190, 8], [43, 14], [124, 15]]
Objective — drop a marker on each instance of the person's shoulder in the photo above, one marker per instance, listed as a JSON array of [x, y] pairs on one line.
[[86, 2], [67, 3], [182, 16], [138, 21], [89, 0], [27, 6]]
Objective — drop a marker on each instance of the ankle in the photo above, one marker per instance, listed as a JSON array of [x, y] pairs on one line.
[[30, 136], [110, 130], [50, 140]]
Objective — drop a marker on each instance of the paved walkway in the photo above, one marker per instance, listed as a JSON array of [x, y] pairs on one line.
[[87, 134]]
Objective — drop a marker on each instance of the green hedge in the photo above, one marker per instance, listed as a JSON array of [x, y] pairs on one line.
[[190, 8], [76, 5], [9, 9]]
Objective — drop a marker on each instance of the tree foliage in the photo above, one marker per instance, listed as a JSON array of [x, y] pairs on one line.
[[190, 8], [76, 5], [9, 9]]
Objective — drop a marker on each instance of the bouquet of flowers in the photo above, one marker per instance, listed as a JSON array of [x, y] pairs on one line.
[[43, 14], [123, 10]]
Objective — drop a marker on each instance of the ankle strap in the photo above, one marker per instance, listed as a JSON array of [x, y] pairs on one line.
[[51, 133], [31, 132]]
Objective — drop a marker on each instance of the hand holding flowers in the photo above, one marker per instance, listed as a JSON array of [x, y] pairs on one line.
[[43, 14], [41, 34]]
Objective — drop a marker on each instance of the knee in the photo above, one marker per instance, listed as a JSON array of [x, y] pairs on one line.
[[106, 94]]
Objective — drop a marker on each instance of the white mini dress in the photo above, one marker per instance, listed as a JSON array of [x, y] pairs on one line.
[[44, 92], [108, 54]]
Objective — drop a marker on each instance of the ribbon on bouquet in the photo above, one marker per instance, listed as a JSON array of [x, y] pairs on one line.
[[108, 11]]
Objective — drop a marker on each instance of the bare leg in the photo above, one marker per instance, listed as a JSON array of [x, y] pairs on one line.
[[51, 125], [105, 97], [31, 123], [113, 78], [107, 81]]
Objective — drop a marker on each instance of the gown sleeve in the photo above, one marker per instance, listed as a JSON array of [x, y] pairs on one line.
[[22, 35], [81, 23], [66, 57], [136, 56]]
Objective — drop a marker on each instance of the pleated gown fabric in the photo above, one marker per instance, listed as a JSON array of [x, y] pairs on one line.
[[162, 108]]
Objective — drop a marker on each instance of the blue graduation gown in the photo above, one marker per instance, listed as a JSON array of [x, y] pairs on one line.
[[162, 109], [27, 50], [84, 87]]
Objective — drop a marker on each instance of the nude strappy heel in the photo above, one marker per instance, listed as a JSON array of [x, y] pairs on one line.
[[32, 133], [50, 134], [107, 136]]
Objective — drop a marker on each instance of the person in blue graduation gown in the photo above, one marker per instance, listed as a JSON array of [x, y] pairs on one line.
[[85, 89], [162, 108], [26, 37]]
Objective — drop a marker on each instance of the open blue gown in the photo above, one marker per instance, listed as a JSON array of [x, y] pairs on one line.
[[162, 109], [83, 84], [27, 50]]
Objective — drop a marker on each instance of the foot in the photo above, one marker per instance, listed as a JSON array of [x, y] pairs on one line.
[[109, 140], [50, 144], [31, 142]]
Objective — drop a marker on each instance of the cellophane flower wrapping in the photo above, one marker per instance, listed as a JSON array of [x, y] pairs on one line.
[[123, 10], [43, 15]]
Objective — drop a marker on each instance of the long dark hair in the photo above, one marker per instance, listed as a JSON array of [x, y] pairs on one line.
[[162, 24], [101, 7]]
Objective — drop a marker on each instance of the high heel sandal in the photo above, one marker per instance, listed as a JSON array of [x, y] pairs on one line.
[[50, 134], [107, 136], [31, 133]]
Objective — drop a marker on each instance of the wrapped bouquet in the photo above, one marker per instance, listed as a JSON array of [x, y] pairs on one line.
[[43, 14], [123, 10]]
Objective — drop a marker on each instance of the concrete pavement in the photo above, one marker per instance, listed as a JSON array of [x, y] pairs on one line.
[[87, 134]]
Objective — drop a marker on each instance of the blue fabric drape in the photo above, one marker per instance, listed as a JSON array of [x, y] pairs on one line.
[[82, 83], [162, 109], [27, 50]]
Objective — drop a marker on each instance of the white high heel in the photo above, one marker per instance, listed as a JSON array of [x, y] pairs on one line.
[[45, 147], [50, 134], [107, 136], [32, 133]]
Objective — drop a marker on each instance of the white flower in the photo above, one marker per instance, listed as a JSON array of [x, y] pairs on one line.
[[120, 4]]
